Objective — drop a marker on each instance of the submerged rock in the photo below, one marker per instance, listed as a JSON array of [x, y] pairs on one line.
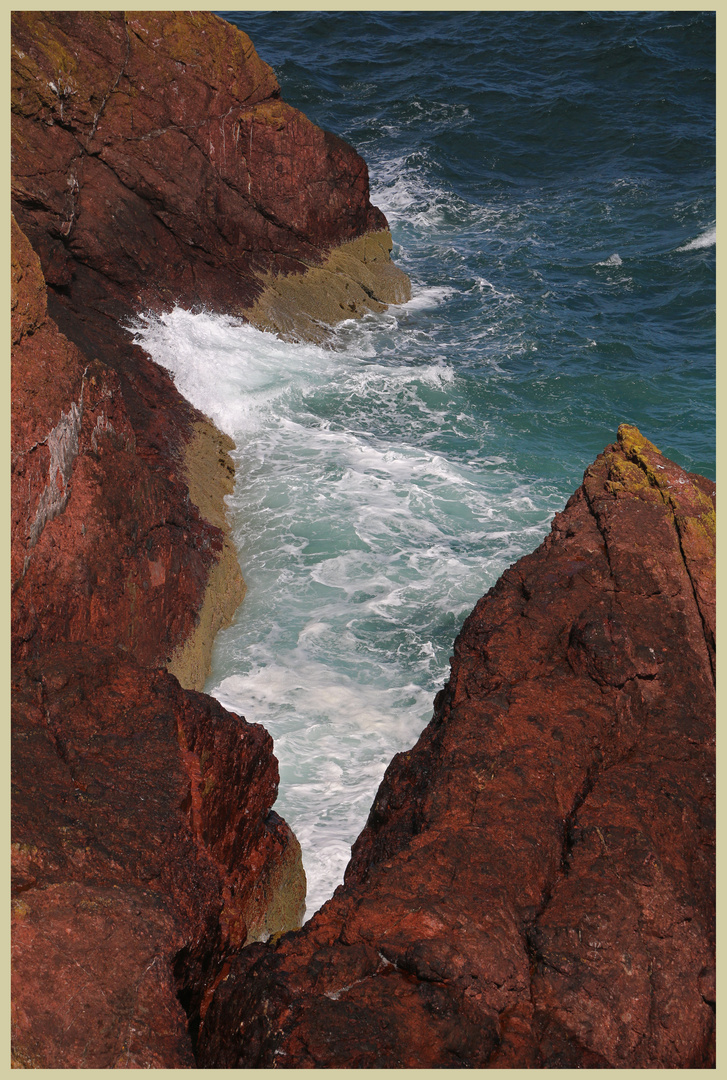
[[535, 883]]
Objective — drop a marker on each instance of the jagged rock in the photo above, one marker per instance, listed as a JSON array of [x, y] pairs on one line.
[[154, 164], [143, 845], [143, 840], [535, 883], [105, 548]]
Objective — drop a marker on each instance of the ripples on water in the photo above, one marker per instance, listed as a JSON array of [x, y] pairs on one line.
[[549, 180]]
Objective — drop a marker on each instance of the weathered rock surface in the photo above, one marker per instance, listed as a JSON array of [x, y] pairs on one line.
[[143, 837], [106, 548], [143, 842], [535, 883], [153, 164]]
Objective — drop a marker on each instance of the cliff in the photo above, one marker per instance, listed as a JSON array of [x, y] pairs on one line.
[[535, 883], [534, 887], [153, 164]]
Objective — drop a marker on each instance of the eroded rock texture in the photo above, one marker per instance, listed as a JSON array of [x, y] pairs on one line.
[[143, 842], [153, 164], [535, 884], [143, 838], [105, 546]]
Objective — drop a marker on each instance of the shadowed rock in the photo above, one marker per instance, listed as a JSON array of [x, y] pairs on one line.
[[143, 844]]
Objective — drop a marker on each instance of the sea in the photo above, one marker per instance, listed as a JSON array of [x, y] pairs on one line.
[[549, 181]]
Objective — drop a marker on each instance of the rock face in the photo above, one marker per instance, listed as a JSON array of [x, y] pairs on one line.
[[143, 837], [143, 842], [153, 164], [535, 883], [106, 548]]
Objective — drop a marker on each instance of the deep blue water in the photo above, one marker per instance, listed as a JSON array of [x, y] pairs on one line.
[[549, 182], [562, 158]]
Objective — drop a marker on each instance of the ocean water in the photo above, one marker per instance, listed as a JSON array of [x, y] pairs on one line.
[[549, 179]]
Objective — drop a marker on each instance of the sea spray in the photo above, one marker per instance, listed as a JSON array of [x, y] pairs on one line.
[[363, 546], [549, 181]]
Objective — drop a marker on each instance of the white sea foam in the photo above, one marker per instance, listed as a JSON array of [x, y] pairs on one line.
[[612, 260], [428, 297], [363, 548], [403, 190], [706, 239]]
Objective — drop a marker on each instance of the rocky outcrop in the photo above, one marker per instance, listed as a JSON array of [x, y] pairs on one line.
[[153, 164], [143, 837], [535, 883], [106, 548], [143, 844]]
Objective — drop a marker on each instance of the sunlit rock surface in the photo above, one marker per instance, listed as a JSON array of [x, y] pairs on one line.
[[153, 164], [535, 884]]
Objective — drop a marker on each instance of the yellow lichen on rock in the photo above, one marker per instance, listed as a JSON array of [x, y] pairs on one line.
[[210, 477], [278, 901], [27, 286], [355, 278]]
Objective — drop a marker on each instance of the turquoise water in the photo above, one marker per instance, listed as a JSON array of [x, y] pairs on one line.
[[549, 181]]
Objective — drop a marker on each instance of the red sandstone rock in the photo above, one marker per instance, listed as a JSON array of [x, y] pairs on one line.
[[535, 884], [143, 838], [104, 547], [145, 849], [154, 162], [141, 833]]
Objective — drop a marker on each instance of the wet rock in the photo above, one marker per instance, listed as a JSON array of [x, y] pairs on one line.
[[535, 883]]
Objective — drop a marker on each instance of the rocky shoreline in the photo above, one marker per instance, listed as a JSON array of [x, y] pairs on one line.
[[130, 791], [534, 887], [535, 884]]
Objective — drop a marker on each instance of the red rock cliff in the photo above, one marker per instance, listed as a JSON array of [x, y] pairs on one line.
[[153, 164], [143, 838], [535, 884]]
